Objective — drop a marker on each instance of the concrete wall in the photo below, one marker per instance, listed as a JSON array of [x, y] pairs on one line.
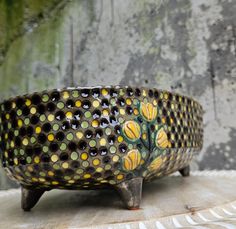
[[187, 46]]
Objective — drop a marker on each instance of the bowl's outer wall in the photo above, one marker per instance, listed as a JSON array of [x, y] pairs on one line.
[[84, 138]]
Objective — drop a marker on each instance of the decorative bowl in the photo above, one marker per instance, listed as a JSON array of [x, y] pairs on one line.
[[97, 137]]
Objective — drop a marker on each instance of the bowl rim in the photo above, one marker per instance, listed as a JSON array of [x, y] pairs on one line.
[[50, 90]]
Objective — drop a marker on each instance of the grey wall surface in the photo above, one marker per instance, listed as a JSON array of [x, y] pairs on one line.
[[188, 46]]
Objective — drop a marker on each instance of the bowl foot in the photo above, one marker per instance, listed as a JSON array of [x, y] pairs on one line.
[[131, 192], [185, 172], [30, 197]]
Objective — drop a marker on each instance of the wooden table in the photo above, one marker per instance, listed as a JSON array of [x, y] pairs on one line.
[[203, 200]]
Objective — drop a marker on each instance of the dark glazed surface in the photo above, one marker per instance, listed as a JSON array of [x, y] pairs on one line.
[[89, 137]]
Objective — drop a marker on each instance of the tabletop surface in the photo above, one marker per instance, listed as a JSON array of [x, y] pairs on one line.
[[203, 200]]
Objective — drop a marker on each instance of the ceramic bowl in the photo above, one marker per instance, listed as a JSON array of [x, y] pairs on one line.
[[97, 137]]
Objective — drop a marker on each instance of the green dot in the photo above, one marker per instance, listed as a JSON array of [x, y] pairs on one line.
[[42, 118], [22, 152], [27, 121], [15, 152], [75, 94], [108, 131], [113, 102], [16, 132], [19, 112], [55, 127], [28, 159], [67, 177], [121, 120], [56, 166], [63, 146], [74, 156], [45, 98], [45, 149], [112, 149], [69, 136], [121, 92], [130, 146], [92, 143], [135, 101], [9, 125], [32, 140], [27, 174], [43, 174], [79, 171], [85, 164], [76, 177], [60, 105], [112, 182], [87, 114], [84, 124]]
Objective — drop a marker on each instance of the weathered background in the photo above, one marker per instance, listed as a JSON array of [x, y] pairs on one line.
[[187, 46]]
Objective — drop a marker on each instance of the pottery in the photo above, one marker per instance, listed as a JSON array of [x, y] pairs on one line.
[[97, 137]]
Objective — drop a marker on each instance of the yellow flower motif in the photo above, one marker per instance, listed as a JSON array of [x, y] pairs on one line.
[[132, 130], [132, 160], [162, 139], [148, 111], [156, 164]]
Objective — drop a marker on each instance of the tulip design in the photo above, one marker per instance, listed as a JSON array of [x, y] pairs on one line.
[[148, 111], [155, 164], [132, 160], [149, 140], [161, 139], [131, 130]]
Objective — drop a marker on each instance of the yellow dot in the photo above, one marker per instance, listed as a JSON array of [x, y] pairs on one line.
[[20, 123], [34, 179], [136, 111], [163, 120], [27, 102], [120, 139], [69, 115], [86, 176], [144, 93], [37, 129], [120, 177], [54, 158], [25, 142], [36, 159], [166, 96], [13, 105], [115, 158], [65, 165], [6, 136], [122, 111], [50, 137], [15, 161], [33, 110], [99, 169], [41, 179], [84, 156], [50, 173], [12, 144], [50, 117], [96, 162], [95, 103], [30, 168], [71, 181], [95, 123], [128, 101], [55, 182], [79, 135], [102, 142], [144, 136], [7, 116], [65, 95], [105, 112], [104, 92], [78, 103]]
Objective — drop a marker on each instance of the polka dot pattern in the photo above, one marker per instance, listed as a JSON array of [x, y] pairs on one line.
[[72, 138]]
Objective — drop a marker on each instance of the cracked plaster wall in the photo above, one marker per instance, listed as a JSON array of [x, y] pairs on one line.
[[183, 45]]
